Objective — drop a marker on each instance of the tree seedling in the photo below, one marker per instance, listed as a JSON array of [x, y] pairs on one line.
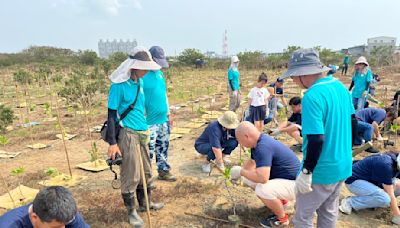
[[52, 172], [3, 140], [18, 172]]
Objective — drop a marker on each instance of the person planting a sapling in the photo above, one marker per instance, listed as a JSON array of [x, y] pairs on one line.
[[132, 141], [360, 83], [327, 127], [293, 126], [373, 116], [271, 172], [234, 84], [374, 183], [258, 102], [279, 92], [52, 207], [218, 141], [157, 114]]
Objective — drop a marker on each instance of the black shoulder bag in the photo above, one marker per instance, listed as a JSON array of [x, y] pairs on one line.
[[103, 131]]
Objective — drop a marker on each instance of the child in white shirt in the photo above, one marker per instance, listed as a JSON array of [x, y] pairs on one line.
[[258, 102]]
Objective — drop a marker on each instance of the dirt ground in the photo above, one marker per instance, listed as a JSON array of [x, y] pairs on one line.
[[194, 192]]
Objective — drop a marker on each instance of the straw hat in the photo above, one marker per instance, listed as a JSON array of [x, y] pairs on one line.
[[229, 120], [234, 59], [363, 60], [142, 60]]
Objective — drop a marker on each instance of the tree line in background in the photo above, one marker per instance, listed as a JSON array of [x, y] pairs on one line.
[[381, 56]]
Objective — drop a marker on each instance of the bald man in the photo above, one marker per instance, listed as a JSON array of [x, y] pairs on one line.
[[271, 172]]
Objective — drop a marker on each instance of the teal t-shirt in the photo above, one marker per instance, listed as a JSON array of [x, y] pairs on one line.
[[326, 109], [155, 92], [360, 83], [121, 96], [346, 60], [234, 75]]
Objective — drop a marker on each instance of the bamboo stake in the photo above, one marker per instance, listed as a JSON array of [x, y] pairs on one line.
[[144, 183]]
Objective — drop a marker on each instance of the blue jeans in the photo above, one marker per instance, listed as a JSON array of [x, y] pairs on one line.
[[364, 131], [159, 143], [358, 103], [368, 195], [206, 149]]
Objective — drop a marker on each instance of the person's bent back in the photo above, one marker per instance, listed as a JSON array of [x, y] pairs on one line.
[[52, 207]]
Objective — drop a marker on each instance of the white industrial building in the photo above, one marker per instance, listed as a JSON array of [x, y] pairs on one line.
[[106, 48], [380, 41]]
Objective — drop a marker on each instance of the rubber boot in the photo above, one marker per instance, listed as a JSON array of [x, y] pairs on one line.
[[133, 217], [142, 200]]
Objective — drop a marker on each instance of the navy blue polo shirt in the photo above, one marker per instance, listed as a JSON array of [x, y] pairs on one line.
[[19, 218], [277, 90], [272, 153], [215, 135], [377, 169], [369, 115]]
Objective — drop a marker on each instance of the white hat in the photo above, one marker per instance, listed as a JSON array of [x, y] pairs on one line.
[[234, 59], [140, 60], [362, 59]]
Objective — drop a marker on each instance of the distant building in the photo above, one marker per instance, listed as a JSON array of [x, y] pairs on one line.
[[381, 41], [355, 50], [106, 48]]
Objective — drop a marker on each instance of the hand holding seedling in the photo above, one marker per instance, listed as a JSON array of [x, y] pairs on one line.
[[113, 150]]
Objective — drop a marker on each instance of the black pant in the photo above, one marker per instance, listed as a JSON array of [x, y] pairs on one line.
[[344, 69]]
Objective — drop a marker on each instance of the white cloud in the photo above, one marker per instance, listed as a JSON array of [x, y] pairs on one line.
[[111, 7]]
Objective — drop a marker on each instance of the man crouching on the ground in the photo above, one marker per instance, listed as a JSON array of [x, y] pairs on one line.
[[271, 172], [218, 140]]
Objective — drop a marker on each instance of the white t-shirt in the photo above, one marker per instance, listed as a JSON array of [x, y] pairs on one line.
[[258, 96]]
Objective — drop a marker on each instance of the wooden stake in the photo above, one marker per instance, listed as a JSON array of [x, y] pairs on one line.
[[8, 191], [146, 197]]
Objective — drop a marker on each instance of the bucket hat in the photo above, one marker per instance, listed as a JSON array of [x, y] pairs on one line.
[[234, 59], [362, 59], [158, 55], [229, 120], [304, 62]]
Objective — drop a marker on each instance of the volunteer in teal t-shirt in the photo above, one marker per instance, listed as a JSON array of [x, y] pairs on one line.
[[360, 83], [234, 84], [327, 119], [157, 114]]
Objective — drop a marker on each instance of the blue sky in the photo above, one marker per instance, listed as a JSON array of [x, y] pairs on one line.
[[265, 25]]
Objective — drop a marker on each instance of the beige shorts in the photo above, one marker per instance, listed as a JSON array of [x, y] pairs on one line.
[[274, 189]]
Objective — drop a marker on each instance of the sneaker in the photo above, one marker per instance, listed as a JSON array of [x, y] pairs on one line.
[[372, 150], [166, 176], [206, 167], [273, 221], [345, 206]]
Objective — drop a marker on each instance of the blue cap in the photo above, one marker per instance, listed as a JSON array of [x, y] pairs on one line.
[[158, 55]]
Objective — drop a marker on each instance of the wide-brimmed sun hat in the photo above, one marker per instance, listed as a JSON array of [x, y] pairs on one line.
[[304, 62], [235, 59], [140, 60], [229, 120], [363, 60], [159, 57]]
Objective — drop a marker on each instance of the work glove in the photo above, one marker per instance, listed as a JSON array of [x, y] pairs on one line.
[[275, 132], [303, 183], [220, 166], [396, 219], [235, 172]]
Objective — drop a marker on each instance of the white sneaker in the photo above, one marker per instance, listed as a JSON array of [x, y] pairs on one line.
[[345, 206], [206, 167]]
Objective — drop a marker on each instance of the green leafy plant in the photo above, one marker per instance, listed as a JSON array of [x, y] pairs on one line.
[[94, 153], [19, 172], [6, 117], [52, 172], [4, 140]]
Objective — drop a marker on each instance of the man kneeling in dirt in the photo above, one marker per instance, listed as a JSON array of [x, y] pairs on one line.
[[218, 140], [52, 207], [271, 172], [374, 184]]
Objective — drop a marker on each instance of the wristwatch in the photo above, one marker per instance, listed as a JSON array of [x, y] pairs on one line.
[[306, 171]]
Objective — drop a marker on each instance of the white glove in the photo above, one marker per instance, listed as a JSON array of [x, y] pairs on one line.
[[235, 172], [396, 219], [221, 166], [303, 183]]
